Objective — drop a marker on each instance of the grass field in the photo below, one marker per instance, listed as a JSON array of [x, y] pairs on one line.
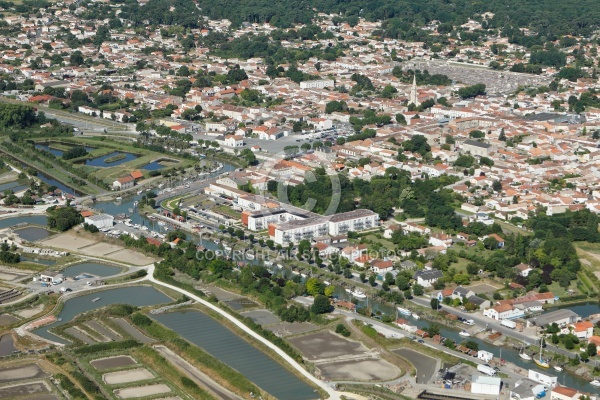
[[104, 147]]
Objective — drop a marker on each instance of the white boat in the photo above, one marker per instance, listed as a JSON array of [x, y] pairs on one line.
[[595, 383], [118, 198], [358, 294], [415, 316], [404, 311], [464, 333], [140, 192], [217, 241], [557, 368], [525, 356]]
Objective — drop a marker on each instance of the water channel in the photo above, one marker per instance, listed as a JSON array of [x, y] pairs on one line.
[[102, 163], [228, 347], [135, 295]]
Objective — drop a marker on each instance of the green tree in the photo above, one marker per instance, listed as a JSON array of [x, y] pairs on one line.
[[321, 304]]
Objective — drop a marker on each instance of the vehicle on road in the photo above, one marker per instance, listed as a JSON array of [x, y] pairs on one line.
[[508, 324], [487, 370]]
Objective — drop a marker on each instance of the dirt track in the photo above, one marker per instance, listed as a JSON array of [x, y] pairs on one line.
[[200, 378]]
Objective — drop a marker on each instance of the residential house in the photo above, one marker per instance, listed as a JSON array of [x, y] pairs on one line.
[[523, 269], [564, 393], [380, 267], [503, 311], [583, 329], [427, 277], [123, 183]]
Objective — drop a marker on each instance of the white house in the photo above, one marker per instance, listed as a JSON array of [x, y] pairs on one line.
[[381, 267], [234, 141], [321, 124], [523, 269], [503, 311], [427, 277], [583, 329], [125, 182], [440, 239], [564, 393]]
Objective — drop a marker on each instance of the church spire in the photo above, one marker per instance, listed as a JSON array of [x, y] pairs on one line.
[[413, 92]]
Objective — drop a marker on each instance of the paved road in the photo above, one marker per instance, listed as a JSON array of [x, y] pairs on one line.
[[480, 320], [426, 366], [193, 373], [495, 325]]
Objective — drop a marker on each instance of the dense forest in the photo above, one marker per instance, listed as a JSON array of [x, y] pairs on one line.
[[549, 18]]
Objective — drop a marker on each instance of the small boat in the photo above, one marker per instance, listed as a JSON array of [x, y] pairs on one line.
[[359, 294], [95, 300], [540, 362], [404, 311], [595, 383], [557, 368], [525, 356], [140, 192], [217, 241], [464, 333], [118, 198], [415, 316]]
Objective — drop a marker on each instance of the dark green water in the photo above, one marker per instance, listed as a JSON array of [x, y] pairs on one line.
[[33, 233], [92, 268], [29, 219], [134, 295], [210, 335]]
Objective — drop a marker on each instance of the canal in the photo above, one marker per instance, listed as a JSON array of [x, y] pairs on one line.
[[228, 347], [135, 295], [510, 355]]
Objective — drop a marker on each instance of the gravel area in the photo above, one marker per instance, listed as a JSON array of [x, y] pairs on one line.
[[127, 376], [132, 331], [77, 334], [102, 330]]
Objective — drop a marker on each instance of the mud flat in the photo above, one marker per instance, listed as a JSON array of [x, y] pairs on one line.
[[142, 391], [113, 362], [21, 373], [26, 389], [325, 344], [128, 376], [359, 370]]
